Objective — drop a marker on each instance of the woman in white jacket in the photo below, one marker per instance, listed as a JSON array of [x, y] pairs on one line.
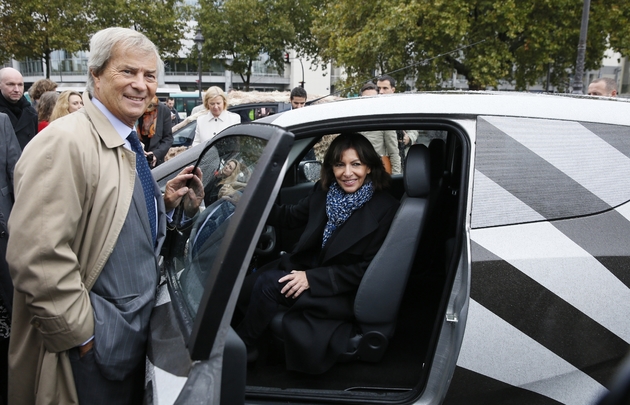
[[218, 117]]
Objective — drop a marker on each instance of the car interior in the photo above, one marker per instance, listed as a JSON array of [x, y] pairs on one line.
[[401, 302], [397, 306]]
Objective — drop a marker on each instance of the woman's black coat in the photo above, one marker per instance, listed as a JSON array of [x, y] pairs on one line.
[[317, 328]]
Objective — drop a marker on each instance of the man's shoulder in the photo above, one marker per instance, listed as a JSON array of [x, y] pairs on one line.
[[27, 107], [30, 109], [70, 129]]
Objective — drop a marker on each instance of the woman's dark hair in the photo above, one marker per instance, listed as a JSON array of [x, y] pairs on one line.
[[367, 155]]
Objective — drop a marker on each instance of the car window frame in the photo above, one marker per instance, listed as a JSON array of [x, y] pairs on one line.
[[241, 235]]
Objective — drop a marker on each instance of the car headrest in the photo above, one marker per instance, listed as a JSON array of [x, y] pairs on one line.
[[417, 178]]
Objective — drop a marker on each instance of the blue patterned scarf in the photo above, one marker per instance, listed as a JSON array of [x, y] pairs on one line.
[[340, 205]]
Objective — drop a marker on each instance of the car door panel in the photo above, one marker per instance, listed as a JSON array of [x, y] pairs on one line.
[[549, 275], [191, 336]]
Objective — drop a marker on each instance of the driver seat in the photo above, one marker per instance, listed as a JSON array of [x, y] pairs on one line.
[[383, 285]]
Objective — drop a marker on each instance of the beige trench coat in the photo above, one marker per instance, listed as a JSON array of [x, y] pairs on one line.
[[73, 188]]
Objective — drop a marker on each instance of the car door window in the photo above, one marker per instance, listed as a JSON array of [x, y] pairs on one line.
[[227, 167]]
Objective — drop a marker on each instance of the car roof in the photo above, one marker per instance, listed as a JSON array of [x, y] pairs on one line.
[[458, 103]]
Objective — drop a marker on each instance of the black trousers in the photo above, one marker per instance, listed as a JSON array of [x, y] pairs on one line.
[[4, 369], [265, 298], [94, 389]]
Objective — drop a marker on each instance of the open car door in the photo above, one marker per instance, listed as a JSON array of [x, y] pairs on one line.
[[194, 356]]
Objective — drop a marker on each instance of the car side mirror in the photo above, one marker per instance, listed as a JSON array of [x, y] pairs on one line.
[[309, 170]]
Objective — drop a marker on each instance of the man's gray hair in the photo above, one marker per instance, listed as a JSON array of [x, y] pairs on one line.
[[104, 41], [611, 84]]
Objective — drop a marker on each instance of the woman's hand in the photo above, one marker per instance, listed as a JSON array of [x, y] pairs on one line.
[[296, 285]]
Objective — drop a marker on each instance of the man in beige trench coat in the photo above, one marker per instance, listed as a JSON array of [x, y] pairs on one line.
[[85, 234]]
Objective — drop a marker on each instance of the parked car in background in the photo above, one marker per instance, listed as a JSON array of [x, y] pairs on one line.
[[505, 277]]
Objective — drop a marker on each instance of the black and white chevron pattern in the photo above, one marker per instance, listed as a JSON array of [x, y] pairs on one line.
[[549, 313]]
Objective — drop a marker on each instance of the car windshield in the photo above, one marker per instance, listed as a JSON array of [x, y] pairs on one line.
[[227, 166]]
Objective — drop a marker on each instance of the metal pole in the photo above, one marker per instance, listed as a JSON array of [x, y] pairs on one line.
[[302, 82], [581, 50], [199, 39], [200, 75]]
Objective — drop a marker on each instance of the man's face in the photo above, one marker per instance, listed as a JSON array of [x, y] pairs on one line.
[[298, 102], [599, 89], [12, 85], [170, 103], [384, 87], [127, 84]]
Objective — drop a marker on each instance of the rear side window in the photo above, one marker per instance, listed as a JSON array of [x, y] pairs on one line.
[[529, 170]]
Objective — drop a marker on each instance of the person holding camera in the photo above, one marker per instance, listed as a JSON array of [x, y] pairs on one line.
[[155, 132]]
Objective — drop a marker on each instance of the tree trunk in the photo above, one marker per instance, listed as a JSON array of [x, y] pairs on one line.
[[48, 64], [249, 73]]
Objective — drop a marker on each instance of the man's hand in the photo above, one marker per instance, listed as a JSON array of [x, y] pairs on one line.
[[83, 350], [176, 189], [406, 138], [151, 159], [297, 284]]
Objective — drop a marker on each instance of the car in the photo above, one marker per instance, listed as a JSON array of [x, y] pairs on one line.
[[505, 277], [184, 132]]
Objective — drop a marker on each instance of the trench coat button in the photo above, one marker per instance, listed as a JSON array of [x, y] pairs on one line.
[[3, 234], [36, 324]]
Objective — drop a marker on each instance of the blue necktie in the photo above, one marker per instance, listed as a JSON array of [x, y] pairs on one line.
[[146, 179]]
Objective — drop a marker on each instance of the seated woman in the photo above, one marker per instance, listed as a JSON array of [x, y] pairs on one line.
[[347, 216]]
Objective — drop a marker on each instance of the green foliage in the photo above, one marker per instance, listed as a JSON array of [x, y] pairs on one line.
[[35, 28], [615, 20], [245, 29], [163, 21], [522, 40]]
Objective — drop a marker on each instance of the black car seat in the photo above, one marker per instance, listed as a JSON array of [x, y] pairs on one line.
[[381, 290], [432, 242]]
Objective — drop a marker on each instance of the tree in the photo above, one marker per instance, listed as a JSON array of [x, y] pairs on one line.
[[163, 21], [485, 40], [35, 28], [238, 32]]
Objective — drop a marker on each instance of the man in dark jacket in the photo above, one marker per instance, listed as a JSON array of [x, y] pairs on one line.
[[9, 155], [13, 103]]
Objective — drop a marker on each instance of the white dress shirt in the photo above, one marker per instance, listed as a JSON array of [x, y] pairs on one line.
[[208, 126]]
